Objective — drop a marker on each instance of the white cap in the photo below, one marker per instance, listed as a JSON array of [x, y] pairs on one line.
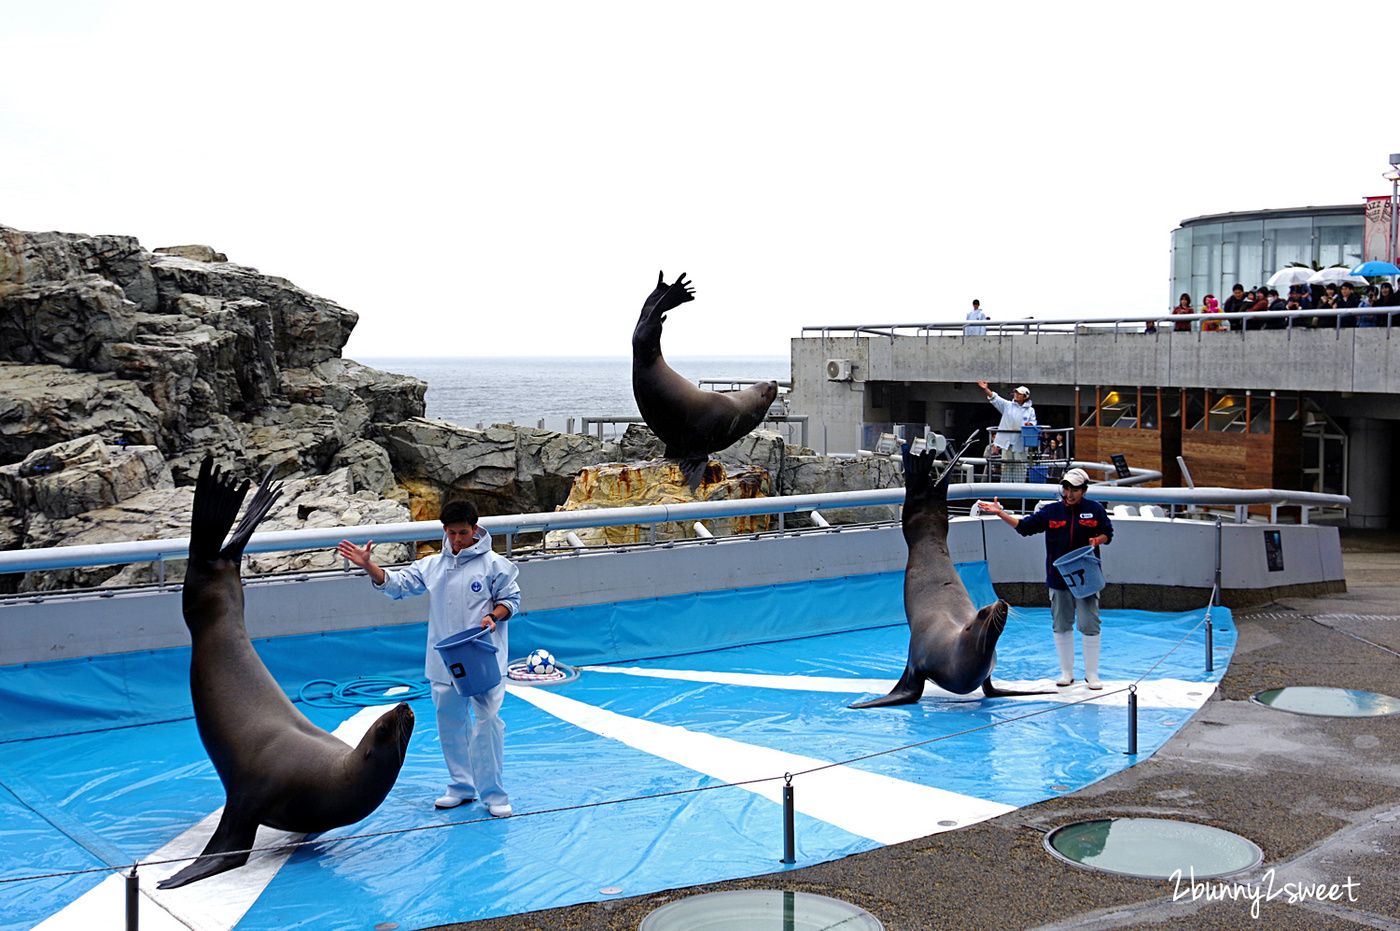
[[1076, 477], [1024, 390]]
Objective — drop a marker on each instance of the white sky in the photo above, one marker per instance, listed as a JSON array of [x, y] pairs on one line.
[[482, 178]]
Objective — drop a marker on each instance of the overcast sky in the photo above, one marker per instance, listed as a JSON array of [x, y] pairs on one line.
[[507, 178]]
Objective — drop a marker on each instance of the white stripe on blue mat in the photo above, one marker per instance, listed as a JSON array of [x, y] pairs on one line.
[[213, 904], [1154, 693], [881, 808]]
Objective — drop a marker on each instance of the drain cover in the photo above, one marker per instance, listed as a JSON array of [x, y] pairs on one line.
[[1153, 848], [1329, 702], [748, 909]]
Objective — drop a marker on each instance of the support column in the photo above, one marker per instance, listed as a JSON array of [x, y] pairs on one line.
[[1368, 472]]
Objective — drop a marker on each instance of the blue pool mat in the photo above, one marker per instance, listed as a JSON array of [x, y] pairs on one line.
[[101, 765]]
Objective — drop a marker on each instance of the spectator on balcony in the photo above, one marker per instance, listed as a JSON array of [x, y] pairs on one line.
[[1015, 414], [1234, 304], [1304, 296], [1388, 297], [1212, 306], [975, 314], [1348, 299], [1183, 306], [1259, 305]]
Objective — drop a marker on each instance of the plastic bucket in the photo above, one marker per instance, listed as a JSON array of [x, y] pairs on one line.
[[1082, 571], [1030, 436], [471, 659]]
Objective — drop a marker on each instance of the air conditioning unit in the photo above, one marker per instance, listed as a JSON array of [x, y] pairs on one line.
[[838, 369]]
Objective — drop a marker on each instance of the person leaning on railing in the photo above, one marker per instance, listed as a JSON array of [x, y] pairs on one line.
[[1183, 307]]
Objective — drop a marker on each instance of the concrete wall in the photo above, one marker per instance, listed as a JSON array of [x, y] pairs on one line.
[[59, 626], [1353, 372]]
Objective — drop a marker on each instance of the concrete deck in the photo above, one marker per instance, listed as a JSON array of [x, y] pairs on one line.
[[1320, 796]]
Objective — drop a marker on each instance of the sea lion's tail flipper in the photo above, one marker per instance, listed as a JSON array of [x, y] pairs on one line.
[[918, 476], [693, 468], [227, 850], [991, 691], [217, 498], [665, 297], [909, 689], [267, 494]]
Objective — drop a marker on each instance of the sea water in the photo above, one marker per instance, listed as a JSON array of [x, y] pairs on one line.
[[472, 391]]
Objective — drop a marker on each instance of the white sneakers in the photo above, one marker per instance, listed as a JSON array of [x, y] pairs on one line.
[[450, 801]]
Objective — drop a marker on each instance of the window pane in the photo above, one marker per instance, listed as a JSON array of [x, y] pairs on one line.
[[1339, 239], [1286, 241]]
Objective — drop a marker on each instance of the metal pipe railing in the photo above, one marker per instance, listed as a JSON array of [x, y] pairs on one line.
[[106, 554], [1072, 325]]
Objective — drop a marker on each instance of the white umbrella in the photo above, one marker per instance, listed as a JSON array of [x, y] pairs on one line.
[[1288, 277], [1336, 275]]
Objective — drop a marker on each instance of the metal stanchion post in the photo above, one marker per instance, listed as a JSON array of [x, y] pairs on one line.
[[1132, 720], [1210, 645], [133, 900], [789, 827]]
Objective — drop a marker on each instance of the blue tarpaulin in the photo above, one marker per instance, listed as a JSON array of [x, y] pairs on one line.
[[101, 765]]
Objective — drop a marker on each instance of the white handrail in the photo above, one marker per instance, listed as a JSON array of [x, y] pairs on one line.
[[106, 554]]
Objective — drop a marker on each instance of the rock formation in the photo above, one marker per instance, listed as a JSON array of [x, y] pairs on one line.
[[121, 367], [659, 482]]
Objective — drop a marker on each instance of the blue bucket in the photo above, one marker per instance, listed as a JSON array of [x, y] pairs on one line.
[[471, 659], [1082, 571], [1030, 436]]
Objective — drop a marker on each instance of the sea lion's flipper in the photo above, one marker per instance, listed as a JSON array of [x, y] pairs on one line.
[[693, 467], [266, 496], [909, 689], [227, 849], [991, 691], [665, 296], [217, 498]]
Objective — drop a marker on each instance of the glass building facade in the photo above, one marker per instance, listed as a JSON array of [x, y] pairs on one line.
[[1211, 253]]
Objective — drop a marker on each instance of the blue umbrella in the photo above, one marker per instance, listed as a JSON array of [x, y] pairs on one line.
[[1372, 269]]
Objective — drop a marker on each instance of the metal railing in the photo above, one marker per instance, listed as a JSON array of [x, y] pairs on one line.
[[1085, 326], [107, 554]]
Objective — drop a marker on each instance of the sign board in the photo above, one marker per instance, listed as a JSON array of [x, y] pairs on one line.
[[1121, 465], [1273, 549]]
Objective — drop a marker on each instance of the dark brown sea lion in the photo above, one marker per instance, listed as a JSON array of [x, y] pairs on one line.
[[691, 422], [951, 642], [277, 767]]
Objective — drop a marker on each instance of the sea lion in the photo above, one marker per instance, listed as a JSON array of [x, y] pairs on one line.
[[277, 767], [951, 642], [691, 422]]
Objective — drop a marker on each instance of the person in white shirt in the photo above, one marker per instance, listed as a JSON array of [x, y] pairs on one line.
[[469, 586], [1015, 414], [975, 314]]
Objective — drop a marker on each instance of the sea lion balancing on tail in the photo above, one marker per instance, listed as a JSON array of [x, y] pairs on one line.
[[277, 767], [691, 422], [951, 642]]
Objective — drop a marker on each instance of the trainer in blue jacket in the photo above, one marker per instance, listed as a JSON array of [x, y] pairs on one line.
[[1068, 524], [468, 586]]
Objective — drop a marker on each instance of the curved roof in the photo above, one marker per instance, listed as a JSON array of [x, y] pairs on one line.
[[1335, 210]]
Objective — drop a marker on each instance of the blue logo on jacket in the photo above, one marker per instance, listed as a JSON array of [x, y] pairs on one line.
[[476, 586]]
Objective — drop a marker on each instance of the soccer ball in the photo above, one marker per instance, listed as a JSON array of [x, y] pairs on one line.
[[540, 663]]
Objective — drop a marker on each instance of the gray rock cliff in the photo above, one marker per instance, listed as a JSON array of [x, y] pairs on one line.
[[121, 368]]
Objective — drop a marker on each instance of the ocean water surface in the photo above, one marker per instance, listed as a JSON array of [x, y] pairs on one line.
[[525, 390]]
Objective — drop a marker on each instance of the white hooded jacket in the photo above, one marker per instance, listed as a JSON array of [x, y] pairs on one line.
[[462, 589]]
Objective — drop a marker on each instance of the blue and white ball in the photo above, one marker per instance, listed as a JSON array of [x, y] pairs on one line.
[[540, 663]]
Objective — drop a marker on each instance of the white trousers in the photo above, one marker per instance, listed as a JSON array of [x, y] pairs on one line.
[[475, 752]]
